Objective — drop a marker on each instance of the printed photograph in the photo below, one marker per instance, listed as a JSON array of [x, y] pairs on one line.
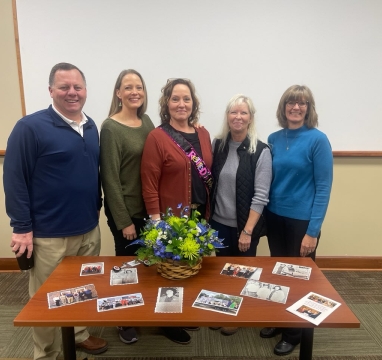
[[71, 296], [218, 302], [314, 307], [124, 277], [321, 300], [265, 291], [92, 269], [169, 300], [295, 271], [119, 302], [242, 271], [307, 311]]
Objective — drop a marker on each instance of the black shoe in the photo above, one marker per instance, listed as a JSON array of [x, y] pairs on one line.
[[269, 332], [283, 348], [177, 334], [191, 328]]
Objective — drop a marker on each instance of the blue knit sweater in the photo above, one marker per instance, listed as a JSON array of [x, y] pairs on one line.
[[302, 175], [51, 176]]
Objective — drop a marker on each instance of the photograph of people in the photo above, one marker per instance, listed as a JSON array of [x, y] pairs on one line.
[[264, 291], [252, 288], [169, 295], [123, 135], [277, 294], [172, 174], [300, 190], [242, 172]]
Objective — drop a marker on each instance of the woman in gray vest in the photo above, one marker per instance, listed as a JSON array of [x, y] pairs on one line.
[[242, 171]]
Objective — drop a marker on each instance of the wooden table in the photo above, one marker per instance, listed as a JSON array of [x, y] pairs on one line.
[[253, 312]]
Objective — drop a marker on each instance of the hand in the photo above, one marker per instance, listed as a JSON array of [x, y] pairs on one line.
[[244, 242], [308, 245], [129, 232], [20, 242], [155, 217]]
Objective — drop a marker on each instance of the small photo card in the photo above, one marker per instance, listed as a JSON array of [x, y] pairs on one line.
[[241, 271], [133, 263], [71, 296], [124, 277], [218, 302], [265, 291], [119, 302], [169, 300], [295, 271], [92, 269]]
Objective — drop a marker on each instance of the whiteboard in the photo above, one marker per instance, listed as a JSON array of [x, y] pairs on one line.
[[255, 47]]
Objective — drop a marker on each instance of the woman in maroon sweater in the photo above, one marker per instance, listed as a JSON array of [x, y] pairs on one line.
[[175, 164], [168, 176]]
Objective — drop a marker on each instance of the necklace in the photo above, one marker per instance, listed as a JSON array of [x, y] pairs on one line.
[[286, 138]]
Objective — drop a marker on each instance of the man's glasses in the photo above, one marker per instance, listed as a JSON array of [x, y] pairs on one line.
[[292, 104]]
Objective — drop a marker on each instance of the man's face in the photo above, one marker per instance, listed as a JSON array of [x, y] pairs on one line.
[[169, 293], [68, 93]]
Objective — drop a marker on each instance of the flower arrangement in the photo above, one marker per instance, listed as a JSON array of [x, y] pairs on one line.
[[186, 238]]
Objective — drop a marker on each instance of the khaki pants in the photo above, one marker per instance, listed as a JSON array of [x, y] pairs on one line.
[[48, 253]]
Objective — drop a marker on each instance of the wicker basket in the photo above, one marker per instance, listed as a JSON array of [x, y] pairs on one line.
[[174, 270]]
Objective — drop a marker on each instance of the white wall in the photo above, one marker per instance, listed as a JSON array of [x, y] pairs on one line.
[[352, 227], [255, 47]]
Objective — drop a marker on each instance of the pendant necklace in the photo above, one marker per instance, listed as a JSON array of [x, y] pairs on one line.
[[286, 138]]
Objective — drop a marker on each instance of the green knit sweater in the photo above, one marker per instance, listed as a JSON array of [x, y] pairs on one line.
[[121, 152]]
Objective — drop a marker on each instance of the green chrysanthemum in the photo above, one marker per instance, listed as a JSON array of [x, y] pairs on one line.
[[189, 249], [173, 220], [191, 224], [152, 236]]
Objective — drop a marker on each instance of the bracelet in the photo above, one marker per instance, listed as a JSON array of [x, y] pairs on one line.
[[246, 233]]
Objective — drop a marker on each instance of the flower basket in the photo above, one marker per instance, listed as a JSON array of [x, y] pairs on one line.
[[175, 270], [177, 244]]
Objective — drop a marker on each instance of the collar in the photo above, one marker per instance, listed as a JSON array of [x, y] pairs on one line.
[[83, 121]]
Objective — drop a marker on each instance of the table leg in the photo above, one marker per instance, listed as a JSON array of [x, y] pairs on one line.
[[306, 345], [68, 343]]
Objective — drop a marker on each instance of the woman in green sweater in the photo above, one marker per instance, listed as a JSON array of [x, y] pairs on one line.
[[123, 135]]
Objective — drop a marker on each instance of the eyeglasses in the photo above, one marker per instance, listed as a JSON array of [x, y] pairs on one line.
[[173, 79], [292, 103]]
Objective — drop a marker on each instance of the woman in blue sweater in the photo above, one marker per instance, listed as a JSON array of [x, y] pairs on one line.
[[302, 179]]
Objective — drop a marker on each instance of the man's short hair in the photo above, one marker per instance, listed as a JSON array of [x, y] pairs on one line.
[[66, 67]]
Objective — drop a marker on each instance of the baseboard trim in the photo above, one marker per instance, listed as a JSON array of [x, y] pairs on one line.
[[323, 262], [349, 262], [8, 264]]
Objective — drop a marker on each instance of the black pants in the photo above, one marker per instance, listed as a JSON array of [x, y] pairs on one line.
[[121, 243], [284, 238], [231, 240]]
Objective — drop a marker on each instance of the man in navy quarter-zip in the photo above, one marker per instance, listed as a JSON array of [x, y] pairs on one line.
[[52, 192]]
